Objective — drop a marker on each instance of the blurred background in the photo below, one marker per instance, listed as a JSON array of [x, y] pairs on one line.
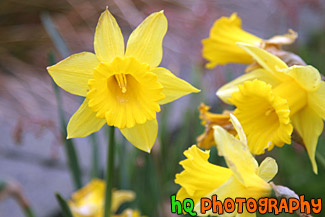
[[31, 150]]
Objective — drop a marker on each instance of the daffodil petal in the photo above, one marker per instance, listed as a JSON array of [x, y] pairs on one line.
[[73, 73], [239, 129], [309, 126], [173, 87], [226, 91], [109, 41], [316, 100], [237, 155], [121, 196], [307, 77], [267, 169], [84, 122], [142, 136], [145, 42], [267, 60]]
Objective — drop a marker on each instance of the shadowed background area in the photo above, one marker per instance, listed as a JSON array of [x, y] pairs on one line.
[[31, 152]]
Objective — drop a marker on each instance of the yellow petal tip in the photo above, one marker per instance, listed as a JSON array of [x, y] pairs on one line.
[[196, 90]]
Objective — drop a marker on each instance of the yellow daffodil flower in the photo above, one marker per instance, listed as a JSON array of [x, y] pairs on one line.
[[206, 139], [122, 88], [220, 48], [89, 201], [272, 99], [244, 178]]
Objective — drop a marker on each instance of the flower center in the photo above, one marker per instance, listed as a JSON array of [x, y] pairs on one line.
[[263, 114], [122, 82], [124, 92]]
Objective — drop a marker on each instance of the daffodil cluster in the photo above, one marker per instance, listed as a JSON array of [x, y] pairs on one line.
[[278, 94], [243, 178]]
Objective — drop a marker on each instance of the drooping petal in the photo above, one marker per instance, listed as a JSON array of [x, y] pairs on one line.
[[307, 77], [267, 169], [142, 136], [309, 126], [228, 89], [109, 41], [267, 60], [73, 73], [316, 100], [84, 122], [199, 177], [145, 42], [285, 39], [173, 87], [237, 155]]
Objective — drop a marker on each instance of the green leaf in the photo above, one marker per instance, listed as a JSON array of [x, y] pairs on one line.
[[64, 206]]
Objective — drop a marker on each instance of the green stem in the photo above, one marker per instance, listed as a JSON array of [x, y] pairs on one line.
[[109, 172], [28, 212], [95, 171], [64, 206]]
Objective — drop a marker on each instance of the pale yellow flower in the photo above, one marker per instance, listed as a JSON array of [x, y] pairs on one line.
[[89, 200], [123, 88], [244, 178], [274, 99], [221, 48]]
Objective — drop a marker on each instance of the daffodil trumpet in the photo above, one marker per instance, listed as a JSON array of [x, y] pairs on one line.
[[123, 88], [275, 99], [243, 178], [220, 47]]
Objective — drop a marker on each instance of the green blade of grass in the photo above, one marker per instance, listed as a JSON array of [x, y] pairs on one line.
[[64, 206]]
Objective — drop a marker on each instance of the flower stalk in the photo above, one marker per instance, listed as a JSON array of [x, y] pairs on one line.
[[109, 171]]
